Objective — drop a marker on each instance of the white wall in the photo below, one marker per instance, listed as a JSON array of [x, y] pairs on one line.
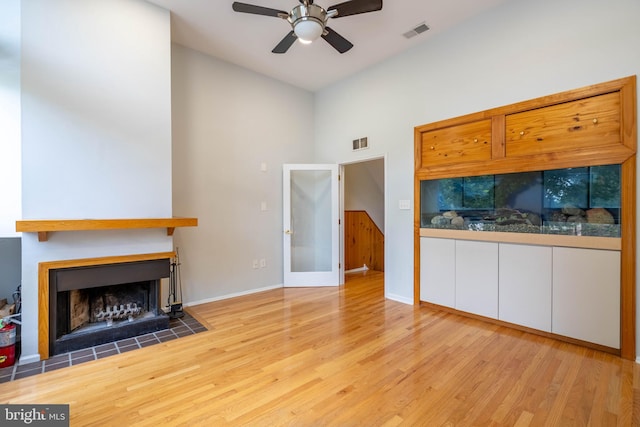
[[518, 51], [96, 130], [10, 203], [96, 87], [227, 121]]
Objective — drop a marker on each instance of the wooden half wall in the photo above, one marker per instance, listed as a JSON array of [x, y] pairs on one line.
[[363, 242]]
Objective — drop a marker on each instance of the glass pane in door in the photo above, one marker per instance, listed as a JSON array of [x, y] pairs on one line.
[[311, 220]]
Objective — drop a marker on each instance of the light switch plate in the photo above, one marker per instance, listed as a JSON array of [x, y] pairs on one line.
[[404, 204]]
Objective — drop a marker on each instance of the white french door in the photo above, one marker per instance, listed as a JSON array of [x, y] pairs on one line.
[[311, 225]]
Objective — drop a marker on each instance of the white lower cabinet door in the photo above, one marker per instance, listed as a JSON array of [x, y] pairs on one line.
[[437, 271], [525, 285], [477, 277], [586, 295]]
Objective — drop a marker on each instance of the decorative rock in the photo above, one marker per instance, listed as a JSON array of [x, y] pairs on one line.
[[572, 211], [450, 214], [457, 221], [512, 217], [440, 220], [557, 217], [534, 219], [600, 216], [506, 212]]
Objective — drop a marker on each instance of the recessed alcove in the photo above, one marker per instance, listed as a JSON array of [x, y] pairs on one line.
[[556, 173]]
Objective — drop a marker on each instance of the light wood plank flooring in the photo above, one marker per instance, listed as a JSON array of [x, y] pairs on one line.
[[343, 357]]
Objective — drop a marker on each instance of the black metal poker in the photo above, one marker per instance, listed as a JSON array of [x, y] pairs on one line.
[[175, 288]]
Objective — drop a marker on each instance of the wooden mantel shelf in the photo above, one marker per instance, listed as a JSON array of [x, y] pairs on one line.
[[44, 226]]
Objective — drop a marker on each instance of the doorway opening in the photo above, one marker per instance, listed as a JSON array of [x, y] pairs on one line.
[[363, 215]]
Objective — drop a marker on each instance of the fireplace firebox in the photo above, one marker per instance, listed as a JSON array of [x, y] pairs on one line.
[[93, 305]]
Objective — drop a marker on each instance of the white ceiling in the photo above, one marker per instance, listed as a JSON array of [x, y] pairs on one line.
[[212, 27]]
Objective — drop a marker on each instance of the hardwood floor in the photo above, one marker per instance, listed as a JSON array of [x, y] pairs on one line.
[[344, 357]]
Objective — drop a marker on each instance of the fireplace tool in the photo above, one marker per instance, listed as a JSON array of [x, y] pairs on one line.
[[175, 289]]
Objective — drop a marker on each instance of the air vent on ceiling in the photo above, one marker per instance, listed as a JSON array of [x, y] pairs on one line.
[[360, 144], [418, 29]]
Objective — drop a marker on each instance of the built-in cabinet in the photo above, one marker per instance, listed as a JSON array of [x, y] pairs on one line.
[[586, 295], [592, 122], [574, 287], [477, 277], [525, 280], [462, 143], [438, 258], [570, 292], [460, 274]]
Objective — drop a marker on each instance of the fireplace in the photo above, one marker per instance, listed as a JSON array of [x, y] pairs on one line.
[[95, 304]]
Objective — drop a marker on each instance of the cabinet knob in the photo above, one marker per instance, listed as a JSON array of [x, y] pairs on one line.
[[475, 140], [595, 121], [432, 147], [521, 132]]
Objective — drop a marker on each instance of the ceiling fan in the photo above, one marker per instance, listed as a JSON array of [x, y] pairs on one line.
[[309, 21]]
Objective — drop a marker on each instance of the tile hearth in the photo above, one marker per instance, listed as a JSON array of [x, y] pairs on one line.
[[180, 327]]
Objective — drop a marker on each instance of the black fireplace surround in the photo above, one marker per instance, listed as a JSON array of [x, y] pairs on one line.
[[97, 288]]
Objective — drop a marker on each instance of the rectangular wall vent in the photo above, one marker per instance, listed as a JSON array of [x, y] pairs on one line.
[[418, 29], [360, 144]]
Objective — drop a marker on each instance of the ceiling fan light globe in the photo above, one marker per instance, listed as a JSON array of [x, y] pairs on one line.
[[308, 30]]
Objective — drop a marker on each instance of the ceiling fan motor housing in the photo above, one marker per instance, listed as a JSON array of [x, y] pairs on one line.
[[308, 21]]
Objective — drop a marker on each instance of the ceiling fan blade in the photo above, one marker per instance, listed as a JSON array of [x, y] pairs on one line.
[[355, 7], [337, 41], [285, 43], [257, 10]]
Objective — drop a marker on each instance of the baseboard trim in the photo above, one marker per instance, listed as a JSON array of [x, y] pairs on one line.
[[356, 270], [399, 298], [233, 295], [30, 358]]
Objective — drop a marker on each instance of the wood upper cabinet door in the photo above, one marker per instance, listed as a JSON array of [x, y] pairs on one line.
[[462, 143], [585, 123]]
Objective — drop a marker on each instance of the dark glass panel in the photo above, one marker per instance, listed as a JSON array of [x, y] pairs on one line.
[[574, 201]]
